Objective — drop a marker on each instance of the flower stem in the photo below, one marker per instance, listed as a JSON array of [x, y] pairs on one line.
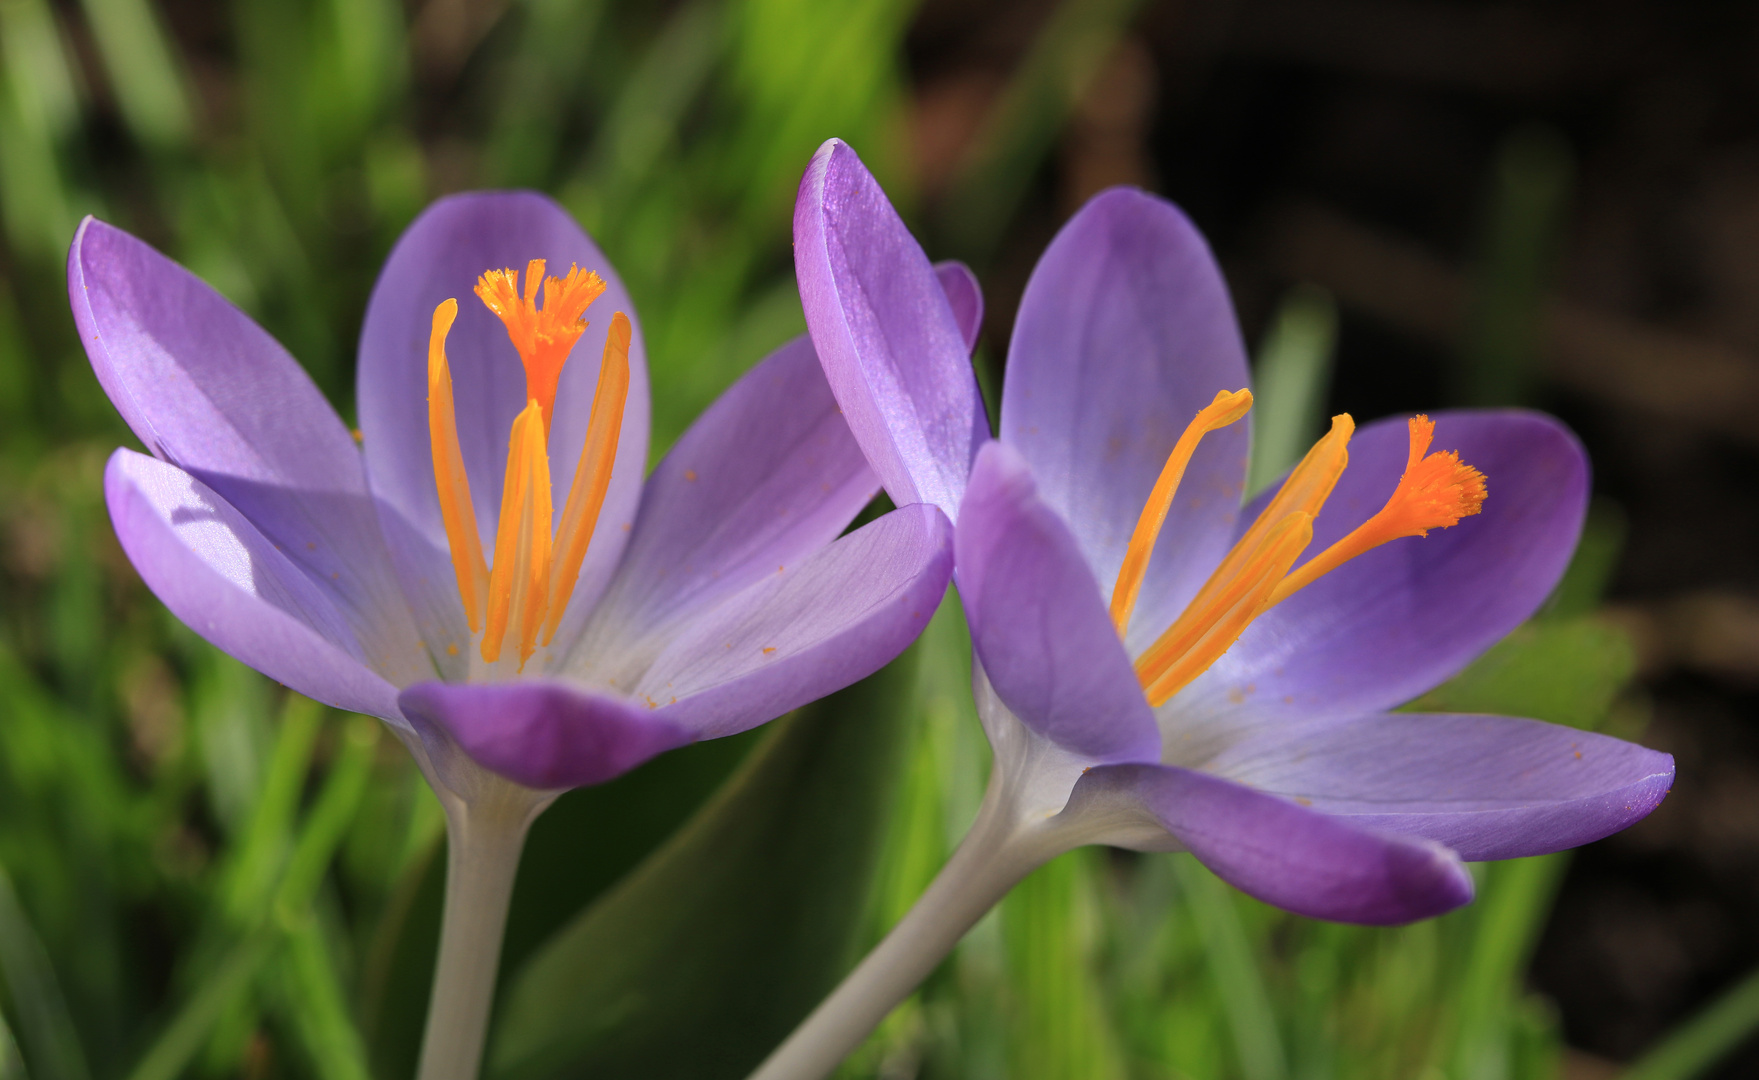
[[483, 842], [994, 856]]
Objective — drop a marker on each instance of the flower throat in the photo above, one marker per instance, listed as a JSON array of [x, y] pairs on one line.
[[1436, 491], [536, 567]]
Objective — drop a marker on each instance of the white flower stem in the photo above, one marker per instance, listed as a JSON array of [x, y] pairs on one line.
[[483, 840], [995, 855]]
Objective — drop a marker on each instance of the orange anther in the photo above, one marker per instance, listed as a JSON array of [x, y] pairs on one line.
[[519, 583], [592, 476], [1224, 410], [456, 510]]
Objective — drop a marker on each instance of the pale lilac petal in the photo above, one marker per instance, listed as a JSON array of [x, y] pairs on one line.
[[1038, 622], [1390, 624], [965, 296], [1125, 331], [766, 476], [887, 333], [1490, 787], [231, 585], [208, 390], [1285, 854], [837, 616], [543, 734], [440, 257]]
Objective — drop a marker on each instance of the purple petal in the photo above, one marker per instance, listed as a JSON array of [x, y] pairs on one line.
[[441, 256], [231, 585], [1038, 622], [965, 296], [1396, 621], [543, 734], [766, 476], [887, 333], [1284, 854], [840, 615], [208, 390], [1125, 331], [1490, 787]]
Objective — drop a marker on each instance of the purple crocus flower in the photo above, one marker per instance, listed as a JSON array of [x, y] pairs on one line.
[[1163, 672], [713, 596]]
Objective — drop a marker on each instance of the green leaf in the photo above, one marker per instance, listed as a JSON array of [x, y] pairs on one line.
[[736, 928], [1566, 671], [577, 850]]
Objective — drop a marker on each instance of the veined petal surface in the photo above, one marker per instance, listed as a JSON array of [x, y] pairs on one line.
[[965, 296], [1125, 331], [209, 390], [1406, 616], [440, 257], [766, 476], [229, 583], [892, 346], [1282, 853], [543, 734], [1490, 787], [1038, 623], [838, 615]]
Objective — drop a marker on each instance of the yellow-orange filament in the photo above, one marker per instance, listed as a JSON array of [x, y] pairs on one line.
[[456, 509], [543, 336], [1436, 491], [1201, 635], [1227, 407], [592, 476], [519, 583]]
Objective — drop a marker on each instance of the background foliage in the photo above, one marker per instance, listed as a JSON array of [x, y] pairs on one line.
[[201, 874]]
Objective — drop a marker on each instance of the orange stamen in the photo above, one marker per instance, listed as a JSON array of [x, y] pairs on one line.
[[543, 337], [1224, 410], [456, 509], [1201, 635], [1436, 491], [592, 476], [519, 583]]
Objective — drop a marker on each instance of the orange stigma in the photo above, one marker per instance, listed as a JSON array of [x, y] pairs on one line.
[[543, 336], [536, 567], [1436, 491]]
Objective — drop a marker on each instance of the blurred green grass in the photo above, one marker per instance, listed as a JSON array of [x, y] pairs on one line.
[[201, 874]]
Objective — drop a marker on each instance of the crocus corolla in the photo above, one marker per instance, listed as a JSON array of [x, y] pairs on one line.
[[1158, 668], [544, 650]]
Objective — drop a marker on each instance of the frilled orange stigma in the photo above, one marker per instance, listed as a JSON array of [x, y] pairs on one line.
[[1436, 491], [536, 566], [543, 336]]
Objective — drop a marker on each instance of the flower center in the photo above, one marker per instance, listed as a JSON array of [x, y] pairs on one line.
[[1436, 491], [535, 568]]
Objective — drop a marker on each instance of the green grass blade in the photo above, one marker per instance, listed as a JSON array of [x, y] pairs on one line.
[[45, 1026], [1290, 380], [1697, 1045], [185, 1036], [144, 71], [1239, 983]]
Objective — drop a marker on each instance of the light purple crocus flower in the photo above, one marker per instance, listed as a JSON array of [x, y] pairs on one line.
[[714, 596], [1279, 766]]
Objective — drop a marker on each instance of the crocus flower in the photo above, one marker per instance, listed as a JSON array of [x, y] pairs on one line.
[[1160, 669], [482, 565]]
